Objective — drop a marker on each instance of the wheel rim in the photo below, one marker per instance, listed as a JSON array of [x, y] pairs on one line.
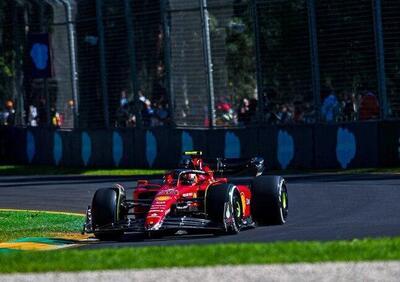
[[237, 210], [284, 202]]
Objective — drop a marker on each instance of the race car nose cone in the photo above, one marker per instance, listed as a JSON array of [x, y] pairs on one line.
[[153, 221], [152, 226]]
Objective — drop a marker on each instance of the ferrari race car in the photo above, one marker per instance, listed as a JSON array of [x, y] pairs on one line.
[[199, 196]]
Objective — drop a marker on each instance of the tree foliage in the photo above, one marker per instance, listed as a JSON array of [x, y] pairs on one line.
[[6, 52], [240, 58]]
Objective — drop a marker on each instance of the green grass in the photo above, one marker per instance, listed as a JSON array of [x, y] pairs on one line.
[[53, 170], [201, 255], [17, 224]]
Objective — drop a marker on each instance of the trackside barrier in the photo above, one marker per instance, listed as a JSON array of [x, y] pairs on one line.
[[347, 145], [389, 143]]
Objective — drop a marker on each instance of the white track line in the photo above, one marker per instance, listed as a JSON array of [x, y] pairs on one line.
[[335, 272], [40, 211]]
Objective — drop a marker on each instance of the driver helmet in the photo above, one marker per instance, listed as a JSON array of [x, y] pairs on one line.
[[168, 179], [197, 163], [189, 178]]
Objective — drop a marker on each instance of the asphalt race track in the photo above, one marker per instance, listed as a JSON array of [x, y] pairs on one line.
[[322, 206]]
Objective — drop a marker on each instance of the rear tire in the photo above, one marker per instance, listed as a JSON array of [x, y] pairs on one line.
[[106, 210], [224, 206], [270, 202]]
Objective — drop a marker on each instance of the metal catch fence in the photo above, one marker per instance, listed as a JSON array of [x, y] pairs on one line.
[[198, 63]]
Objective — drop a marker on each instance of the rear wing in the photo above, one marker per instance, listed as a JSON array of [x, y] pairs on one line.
[[236, 166], [231, 166]]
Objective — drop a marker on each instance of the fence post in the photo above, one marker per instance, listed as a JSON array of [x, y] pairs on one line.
[[17, 95], [45, 81], [208, 59], [73, 60], [315, 71], [260, 90], [103, 71], [167, 59], [132, 62], [380, 56]]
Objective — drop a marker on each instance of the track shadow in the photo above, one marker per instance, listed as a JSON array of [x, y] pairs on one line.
[[141, 239]]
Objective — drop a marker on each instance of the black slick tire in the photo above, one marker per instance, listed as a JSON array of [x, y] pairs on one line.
[[105, 212], [224, 207], [270, 202]]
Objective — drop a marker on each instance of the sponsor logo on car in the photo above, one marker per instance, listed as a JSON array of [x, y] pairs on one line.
[[168, 192], [159, 211]]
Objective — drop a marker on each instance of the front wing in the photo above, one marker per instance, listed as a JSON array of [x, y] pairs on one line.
[[137, 225]]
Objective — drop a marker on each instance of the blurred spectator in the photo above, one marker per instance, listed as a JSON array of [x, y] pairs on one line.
[[272, 116], [33, 116], [162, 114], [56, 119], [244, 112], [147, 113], [369, 106], [124, 99], [285, 114], [330, 107], [225, 114], [123, 112], [349, 106], [9, 114]]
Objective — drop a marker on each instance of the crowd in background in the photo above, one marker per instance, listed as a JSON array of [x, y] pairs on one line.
[[36, 116], [152, 113], [347, 106], [343, 107]]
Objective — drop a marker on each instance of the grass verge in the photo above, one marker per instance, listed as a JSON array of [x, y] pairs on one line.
[[201, 255], [53, 170], [17, 224]]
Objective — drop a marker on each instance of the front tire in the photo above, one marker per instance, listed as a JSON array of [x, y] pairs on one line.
[[106, 210], [270, 202], [224, 207]]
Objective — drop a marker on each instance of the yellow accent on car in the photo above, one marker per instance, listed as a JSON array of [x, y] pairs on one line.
[[163, 198], [284, 200], [243, 198], [193, 153]]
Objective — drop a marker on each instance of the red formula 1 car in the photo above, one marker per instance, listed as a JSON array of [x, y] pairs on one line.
[[197, 197]]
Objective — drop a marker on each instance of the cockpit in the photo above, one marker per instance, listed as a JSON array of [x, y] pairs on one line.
[[184, 177]]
